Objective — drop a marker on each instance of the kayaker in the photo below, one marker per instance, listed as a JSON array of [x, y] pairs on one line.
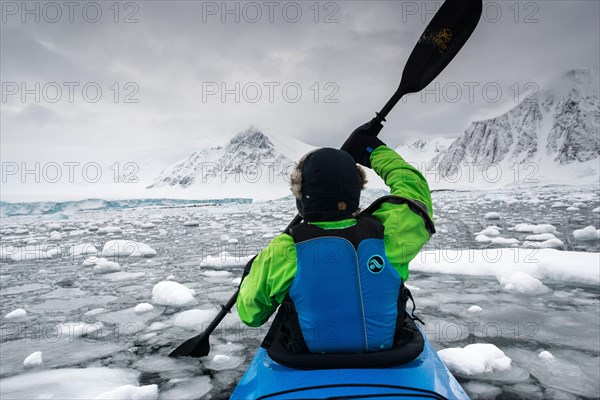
[[339, 274]]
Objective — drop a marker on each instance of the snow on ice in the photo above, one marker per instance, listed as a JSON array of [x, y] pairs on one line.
[[18, 313], [587, 233], [173, 294], [475, 359], [194, 319], [33, 360]]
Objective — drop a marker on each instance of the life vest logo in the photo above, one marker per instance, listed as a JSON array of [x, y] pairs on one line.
[[375, 264]]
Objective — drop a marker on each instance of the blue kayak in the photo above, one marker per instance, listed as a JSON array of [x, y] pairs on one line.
[[424, 377]]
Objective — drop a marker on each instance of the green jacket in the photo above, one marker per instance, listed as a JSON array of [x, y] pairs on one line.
[[405, 232]]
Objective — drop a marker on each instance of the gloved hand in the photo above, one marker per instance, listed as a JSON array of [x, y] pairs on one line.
[[363, 141]]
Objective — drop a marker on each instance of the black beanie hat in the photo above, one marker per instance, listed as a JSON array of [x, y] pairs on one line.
[[331, 185]]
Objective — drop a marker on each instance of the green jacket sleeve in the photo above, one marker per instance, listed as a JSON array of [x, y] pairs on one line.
[[405, 230], [265, 287]]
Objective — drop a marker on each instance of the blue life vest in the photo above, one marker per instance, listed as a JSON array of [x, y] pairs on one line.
[[346, 291]]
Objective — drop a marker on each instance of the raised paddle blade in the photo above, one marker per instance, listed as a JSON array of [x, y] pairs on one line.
[[445, 35]]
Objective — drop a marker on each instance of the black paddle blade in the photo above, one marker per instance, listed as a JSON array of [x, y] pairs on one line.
[[445, 35], [198, 346]]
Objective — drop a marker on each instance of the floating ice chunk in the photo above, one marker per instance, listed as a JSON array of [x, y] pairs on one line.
[[110, 229], [147, 225], [53, 227], [225, 238], [237, 280], [95, 311], [578, 204], [216, 274], [564, 266], [249, 233], [93, 260], [77, 329], [521, 282], [224, 260], [191, 223], [188, 389], [544, 228], [170, 277], [232, 241], [194, 319], [33, 360], [221, 362], [143, 308], [474, 309], [29, 253], [474, 359], [130, 392], [120, 248], [525, 390], [268, 236], [559, 204], [483, 391], [504, 241], [541, 237], [55, 236], [492, 215], [572, 209], [18, 313], [552, 244], [169, 293], [104, 267], [483, 239], [92, 228], [524, 228], [596, 210], [67, 383], [489, 231], [82, 249], [546, 355], [587, 233]]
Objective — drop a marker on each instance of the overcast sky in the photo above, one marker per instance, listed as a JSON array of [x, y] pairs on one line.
[[172, 56]]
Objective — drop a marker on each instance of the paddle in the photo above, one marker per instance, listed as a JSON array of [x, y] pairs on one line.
[[445, 35], [199, 345]]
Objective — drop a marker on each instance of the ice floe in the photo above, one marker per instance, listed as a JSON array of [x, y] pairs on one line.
[[173, 294], [475, 359]]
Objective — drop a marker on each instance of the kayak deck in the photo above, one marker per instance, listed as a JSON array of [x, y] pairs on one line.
[[424, 377]]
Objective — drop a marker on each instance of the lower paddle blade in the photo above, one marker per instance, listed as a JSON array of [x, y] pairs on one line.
[[197, 346]]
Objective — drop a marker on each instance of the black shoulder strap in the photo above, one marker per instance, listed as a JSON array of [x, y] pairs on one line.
[[416, 206]]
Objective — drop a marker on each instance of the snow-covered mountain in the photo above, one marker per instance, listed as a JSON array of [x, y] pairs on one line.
[[250, 163], [553, 136], [420, 151]]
